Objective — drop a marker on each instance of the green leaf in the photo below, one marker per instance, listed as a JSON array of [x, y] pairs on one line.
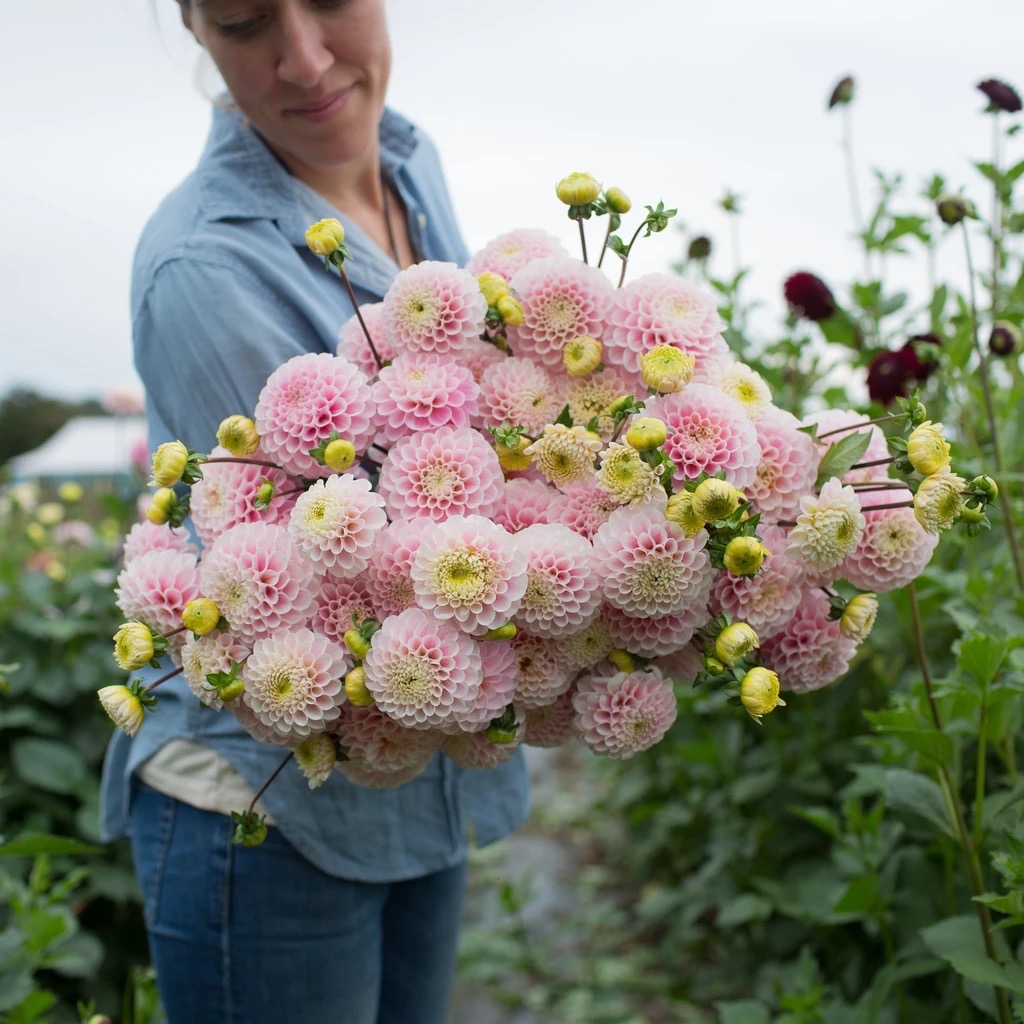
[[841, 456], [913, 793], [981, 656], [938, 304], [565, 417], [742, 909], [33, 844], [743, 1011], [52, 766], [840, 329], [958, 941], [912, 732], [860, 898]]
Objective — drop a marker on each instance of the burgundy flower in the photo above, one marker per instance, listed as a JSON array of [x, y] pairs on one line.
[[891, 373], [1005, 338], [924, 348], [1000, 96], [842, 93], [808, 296]]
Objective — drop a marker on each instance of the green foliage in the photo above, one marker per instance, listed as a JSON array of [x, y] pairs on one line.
[[27, 419]]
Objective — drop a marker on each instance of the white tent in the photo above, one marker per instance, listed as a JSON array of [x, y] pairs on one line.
[[87, 446]]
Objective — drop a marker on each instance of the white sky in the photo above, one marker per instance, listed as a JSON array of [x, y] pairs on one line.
[[102, 113]]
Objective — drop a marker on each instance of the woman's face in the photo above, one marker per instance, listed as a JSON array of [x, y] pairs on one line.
[[310, 75]]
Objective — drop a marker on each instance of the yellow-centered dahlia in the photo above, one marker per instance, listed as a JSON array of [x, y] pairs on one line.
[[939, 500], [564, 454], [625, 475]]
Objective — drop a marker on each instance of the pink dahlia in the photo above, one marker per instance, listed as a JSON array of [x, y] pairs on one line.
[[145, 537], [591, 644], [478, 358], [154, 588], [661, 309], [562, 299], [341, 605], [497, 688], [524, 503], [893, 549], [544, 672], [591, 397], [519, 393], [433, 307], [621, 716], [563, 590], [470, 570], [352, 343], [653, 636], [738, 381], [440, 473], [226, 496], [259, 579], [422, 671], [389, 574], [293, 681], [827, 529], [423, 392], [588, 506], [510, 252], [788, 466], [840, 423], [203, 655], [475, 750], [377, 743], [811, 651], [707, 431], [335, 523], [375, 778], [304, 401], [551, 725], [648, 566], [683, 665]]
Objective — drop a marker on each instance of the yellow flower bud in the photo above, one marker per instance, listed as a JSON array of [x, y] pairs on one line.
[[617, 200], [987, 486], [325, 236], [715, 499], [201, 616], [238, 435], [493, 286], [339, 455], [50, 513], [578, 189], [736, 641], [231, 691], [355, 688], [680, 511], [744, 556], [759, 693], [509, 310], [56, 570], [927, 449], [667, 369], [169, 462], [646, 433], [505, 632], [581, 356], [515, 460], [938, 501], [859, 616], [35, 533], [69, 492], [123, 707], [622, 660], [133, 646], [162, 506], [357, 643]]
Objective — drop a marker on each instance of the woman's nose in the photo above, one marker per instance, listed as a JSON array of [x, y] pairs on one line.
[[304, 55]]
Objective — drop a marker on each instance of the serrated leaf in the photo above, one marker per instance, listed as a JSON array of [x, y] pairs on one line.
[[913, 793], [50, 765], [958, 941], [981, 657], [841, 456]]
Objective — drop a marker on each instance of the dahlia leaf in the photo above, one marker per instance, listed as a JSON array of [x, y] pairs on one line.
[[841, 456]]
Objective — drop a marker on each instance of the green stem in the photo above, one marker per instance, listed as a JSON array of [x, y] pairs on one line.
[[266, 785], [979, 772], [990, 414], [628, 250], [583, 238], [997, 218], [359, 316], [163, 679], [1010, 759], [863, 423], [851, 182], [604, 245]]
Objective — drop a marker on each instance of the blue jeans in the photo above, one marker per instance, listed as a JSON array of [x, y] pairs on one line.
[[258, 935]]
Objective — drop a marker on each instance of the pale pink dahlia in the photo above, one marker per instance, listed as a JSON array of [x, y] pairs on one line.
[[293, 681], [811, 651], [661, 309], [475, 750], [588, 507], [788, 466], [893, 549], [202, 655], [352, 343], [154, 589], [441, 473], [470, 570], [335, 523], [840, 423], [389, 574], [371, 777], [562, 299], [478, 358], [544, 672], [226, 496], [653, 636], [145, 537], [707, 431], [587, 646], [304, 401], [827, 529], [423, 392], [592, 396], [433, 307], [497, 688], [377, 743], [341, 605], [682, 666], [621, 716], [738, 381], [422, 671], [552, 724], [259, 580], [563, 590], [511, 251], [648, 566], [518, 393], [524, 503]]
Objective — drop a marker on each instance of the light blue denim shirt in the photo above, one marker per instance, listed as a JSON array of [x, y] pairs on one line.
[[224, 291]]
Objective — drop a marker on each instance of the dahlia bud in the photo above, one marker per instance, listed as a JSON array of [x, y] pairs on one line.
[[859, 616], [1000, 96], [667, 369], [736, 641], [510, 311], [715, 499], [952, 208], [231, 690], [680, 511], [357, 643], [201, 615], [744, 556], [986, 487], [264, 495], [578, 189], [238, 435], [339, 455], [70, 492], [506, 632], [169, 462], [939, 500], [316, 757], [808, 296], [581, 356], [622, 660], [325, 237], [515, 460], [713, 665], [250, 828], [759, 693], [842, 93], [162, 506], [927, 449], [617, 200], [1005, 339], [123, 706], [493, 286], [646, 433], [356, 689], [699, 248], [133, 646]]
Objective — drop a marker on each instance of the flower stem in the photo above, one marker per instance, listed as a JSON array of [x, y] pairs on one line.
[[266, 785], [359, 316], [863, 423], [163, 679], [604, 246], [874, 462], [242, 459], [997, 217], [851, 181], [990, 414], [893, 504], [583, 238]]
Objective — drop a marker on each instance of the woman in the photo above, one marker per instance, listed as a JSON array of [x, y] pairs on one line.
[[348, 912]]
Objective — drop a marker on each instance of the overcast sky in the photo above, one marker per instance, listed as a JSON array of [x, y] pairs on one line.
[[103, 111]]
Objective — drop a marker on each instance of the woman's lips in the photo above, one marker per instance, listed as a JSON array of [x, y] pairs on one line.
[[321, 109]]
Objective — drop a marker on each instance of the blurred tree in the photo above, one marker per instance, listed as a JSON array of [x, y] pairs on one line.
[[27, 419]]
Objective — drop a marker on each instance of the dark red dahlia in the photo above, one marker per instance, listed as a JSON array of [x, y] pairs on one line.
[[842, 93], [1000, 96], [925, 348], [808, 296], [699, 248], [1005, 339], [890, 375]]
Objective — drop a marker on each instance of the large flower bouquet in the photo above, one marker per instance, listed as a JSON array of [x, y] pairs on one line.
[[518, 506]]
